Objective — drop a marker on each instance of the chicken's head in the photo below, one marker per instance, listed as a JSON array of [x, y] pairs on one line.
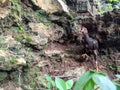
[[84, 30]]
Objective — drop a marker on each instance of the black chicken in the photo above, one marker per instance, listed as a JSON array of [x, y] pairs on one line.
[[91, 44]]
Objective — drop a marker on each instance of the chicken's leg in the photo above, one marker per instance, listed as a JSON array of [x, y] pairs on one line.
[[97, 68], [96, 58]]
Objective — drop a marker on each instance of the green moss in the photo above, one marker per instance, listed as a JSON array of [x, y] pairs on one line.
[[43, 17], [16, 9], [12, 60], [30, 75], [28, 39], [3, 75], [19, 38], [2, 59]]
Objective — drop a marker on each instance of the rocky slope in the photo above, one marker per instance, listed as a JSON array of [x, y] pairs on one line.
[[39, 38]]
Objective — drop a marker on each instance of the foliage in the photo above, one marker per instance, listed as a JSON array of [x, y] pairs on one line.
[[42, 17], [113, 0], [62, 85], [104, 8], [92, 78], [28, 39], [109, 6], [16, 12], [29, 75], [58, 84], [12, 60], [20, 27], [16, 9], [3, 75], [111, 67], [19, 38]]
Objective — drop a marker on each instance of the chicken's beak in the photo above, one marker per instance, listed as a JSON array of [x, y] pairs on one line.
[[82, 29]]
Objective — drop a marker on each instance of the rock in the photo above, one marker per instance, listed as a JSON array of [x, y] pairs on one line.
[[58, 33], [52, 52], [75, 73], [41, 35], [9, 61], [10, 85], [18, 88], [3, 53], [41, 29], [3, 75], [36, 40], [4, 12], [3, 1], [4, 8], [43, 63], [51, 6], [10, 41], [21, 61]]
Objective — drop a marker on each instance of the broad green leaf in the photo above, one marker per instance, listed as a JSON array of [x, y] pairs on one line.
[[69, 84], [103, 82], [53, 83], [48, 78], [89, 85], [60, 84], [118, 86], [48, 86], [83, 80]]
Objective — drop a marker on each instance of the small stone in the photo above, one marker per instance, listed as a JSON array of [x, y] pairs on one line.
[[43, 41], [53, 52], [76, 72], [3, 53], [4, 8], [42, 63], [21, 61], [18, 88]]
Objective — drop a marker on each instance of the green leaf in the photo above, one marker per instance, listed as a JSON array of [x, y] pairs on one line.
[[48, 86], [53, 83], [103, 82], [83, 80], [89, 85], [48, 78], [69, 84], [118, 86], [60, 84]]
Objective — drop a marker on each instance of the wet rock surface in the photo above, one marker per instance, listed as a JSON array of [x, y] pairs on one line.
[[51, 6]]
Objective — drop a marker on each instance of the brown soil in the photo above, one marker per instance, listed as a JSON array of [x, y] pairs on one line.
[[72, 61]]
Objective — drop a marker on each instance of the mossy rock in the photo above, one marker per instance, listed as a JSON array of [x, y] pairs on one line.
[[3, 75]]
